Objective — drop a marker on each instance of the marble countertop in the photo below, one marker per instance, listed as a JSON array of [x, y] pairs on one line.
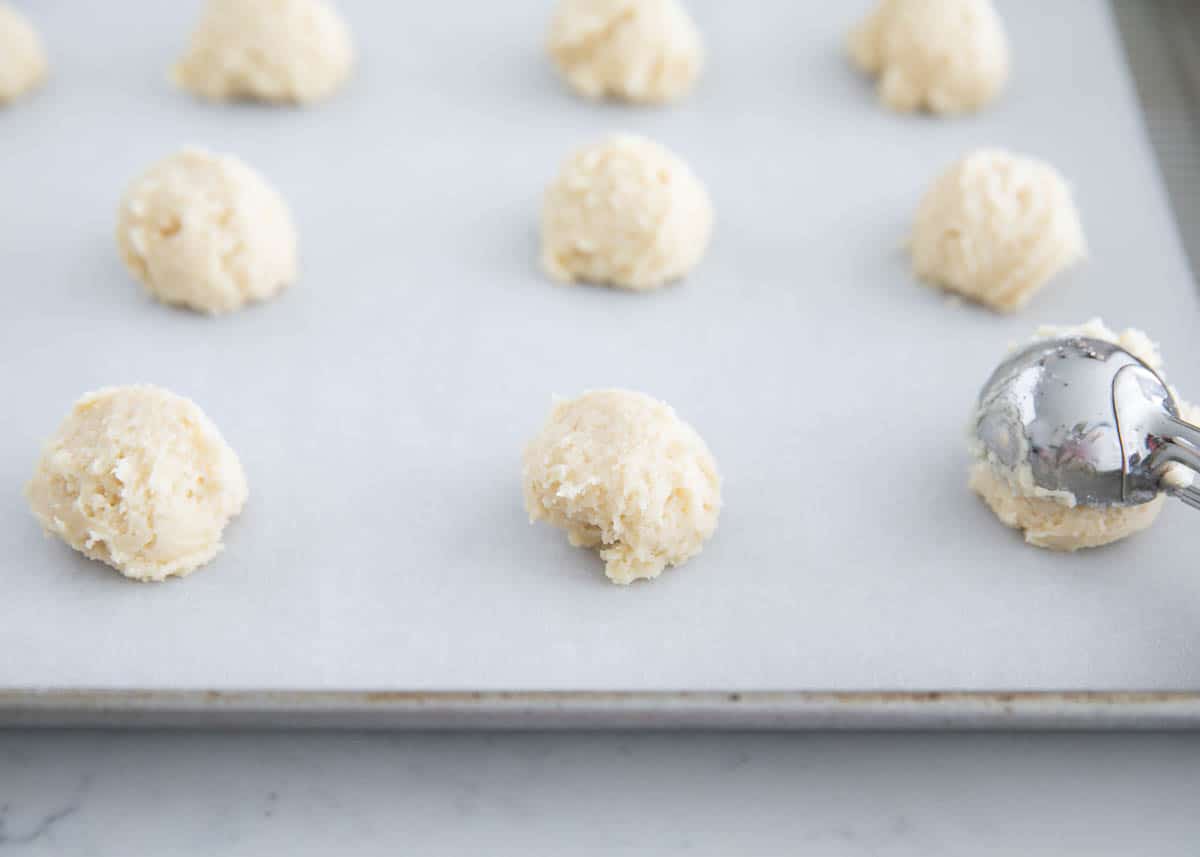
[[126, 793]]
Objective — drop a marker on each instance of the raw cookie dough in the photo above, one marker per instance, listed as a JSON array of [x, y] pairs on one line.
[[207, 232], [291, 51], [1052, 519], [995, 228], [945, 56], [625, 212], [636, 50], [620, 472], [138, 478], [22, 58]]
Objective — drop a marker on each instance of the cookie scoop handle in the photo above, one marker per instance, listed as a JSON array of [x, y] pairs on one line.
[[1182, 447], [1161, 450]]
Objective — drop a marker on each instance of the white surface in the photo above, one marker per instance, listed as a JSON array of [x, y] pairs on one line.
[[207, 795], [380, 405]]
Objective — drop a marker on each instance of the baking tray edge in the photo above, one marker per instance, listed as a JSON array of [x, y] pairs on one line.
[[752, 710]]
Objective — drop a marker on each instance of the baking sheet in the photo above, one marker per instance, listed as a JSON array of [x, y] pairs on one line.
[[1162, 45], [380, 406]]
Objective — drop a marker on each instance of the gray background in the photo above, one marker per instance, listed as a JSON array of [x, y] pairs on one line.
[[381, 405], [93, 794]]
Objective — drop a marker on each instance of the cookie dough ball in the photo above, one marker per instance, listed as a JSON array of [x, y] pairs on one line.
[[635, 50], [281, 51], [22, 58], [620, 472], [625, 212], [138, 478], [1048, 523], [996, 227], [207, 232], [945, 56], [1053, 519]]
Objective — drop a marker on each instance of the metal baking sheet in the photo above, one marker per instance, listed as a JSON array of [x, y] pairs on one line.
[[384, 563]]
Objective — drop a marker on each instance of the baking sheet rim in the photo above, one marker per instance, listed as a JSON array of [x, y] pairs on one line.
[[515, 710]]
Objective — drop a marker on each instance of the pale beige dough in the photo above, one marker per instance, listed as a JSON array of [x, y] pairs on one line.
[[1054, 520], [620, 472], [207, 232], [624, 212], [996, 227], [291, 51], [635, 50], [23, 63], [1050, 524], [140, 479], [944, 56]]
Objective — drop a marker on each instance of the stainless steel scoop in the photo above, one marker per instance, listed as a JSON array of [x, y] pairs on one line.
[[1089, 418]]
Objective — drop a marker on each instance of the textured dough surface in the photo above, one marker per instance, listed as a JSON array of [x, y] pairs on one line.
[[207, 232], [996, 227], [22, 58], [291, 51], [1054, 521], [624, 212], [620, 472], [636, 50], [1048, 523], [138, 478], [944, 56]]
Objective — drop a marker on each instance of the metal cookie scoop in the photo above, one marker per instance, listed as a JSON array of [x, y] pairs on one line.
[[1090, 419]]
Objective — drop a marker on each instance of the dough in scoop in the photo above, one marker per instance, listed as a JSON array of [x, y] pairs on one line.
[[1052, 519], [996, 227], [137, 477], [944, 56], [625, 212], [291, 51], [207, 232], [22, 58], [620, 472], [635, 50]]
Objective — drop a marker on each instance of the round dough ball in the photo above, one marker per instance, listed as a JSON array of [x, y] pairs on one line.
[[1048, 523], [289, 51], [625, 212], [945, 56], [138, 478], [207, 232], [620, 472], [996, 227], [1051, 519], [22, 58], [636, 50]]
